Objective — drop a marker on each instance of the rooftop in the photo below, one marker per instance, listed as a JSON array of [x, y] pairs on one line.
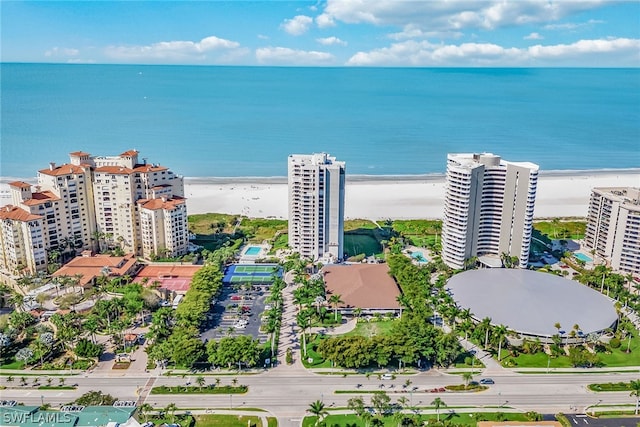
[[176, 278], [531, 302], [90, 267], [17, 214], [367, 286]]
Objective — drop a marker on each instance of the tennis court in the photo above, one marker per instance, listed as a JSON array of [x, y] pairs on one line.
[[251, 273], [255, 268]]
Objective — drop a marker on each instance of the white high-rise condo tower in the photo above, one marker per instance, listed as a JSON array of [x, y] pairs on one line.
[[613, 227], [488, 209], [316, 205]]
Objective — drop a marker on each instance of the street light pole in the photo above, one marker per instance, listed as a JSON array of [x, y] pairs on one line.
[[548, 362]]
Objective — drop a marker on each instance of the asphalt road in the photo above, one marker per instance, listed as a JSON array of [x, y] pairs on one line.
[[288, 396]]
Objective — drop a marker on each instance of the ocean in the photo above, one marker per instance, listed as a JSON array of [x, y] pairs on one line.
[[204, 121]]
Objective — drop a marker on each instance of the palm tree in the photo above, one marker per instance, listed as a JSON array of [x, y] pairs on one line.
[[10, 379], [317, 408], [303, 321], [499, 333], [171, 409], [335, 300], [485, 325], [437, 404], [144, 410], [437, 228], [61, 381], [200, 381], [467, 377], [635, 391]]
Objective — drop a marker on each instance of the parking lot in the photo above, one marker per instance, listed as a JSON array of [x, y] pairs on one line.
[[237, 312]]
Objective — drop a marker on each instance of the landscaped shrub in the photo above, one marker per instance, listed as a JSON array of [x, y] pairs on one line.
[[615, 342], [86, 348]]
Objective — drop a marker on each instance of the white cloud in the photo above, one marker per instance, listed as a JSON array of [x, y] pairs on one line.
[[178, 50], [297, 25], [263, 37], [533, 36], [412, 32], [604, 52], [328, 41], [573, 25], [324, 21], [453, 15], [287, 56], [61, 52]]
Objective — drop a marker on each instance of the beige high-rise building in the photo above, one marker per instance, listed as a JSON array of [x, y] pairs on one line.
[[613, 227], [93, 202], [488, 209], [119, 182], [164, 227], [316, 205], [22, 241]]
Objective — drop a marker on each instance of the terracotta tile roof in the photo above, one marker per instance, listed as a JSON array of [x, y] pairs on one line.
[[367, 286], [129, 153], [155, 204], [149, 168], [114, 170], [41, 197], [79, 154], [167, 271], [175, 278], [17, 214], [63, 170], [20, 184], [90, 267]]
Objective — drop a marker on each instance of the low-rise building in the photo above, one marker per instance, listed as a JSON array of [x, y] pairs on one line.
[[367, 287]]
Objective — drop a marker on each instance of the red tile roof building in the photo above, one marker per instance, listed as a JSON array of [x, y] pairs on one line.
[[365, 286], [92, 203]]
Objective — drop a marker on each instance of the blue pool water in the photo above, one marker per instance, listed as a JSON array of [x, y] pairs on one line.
[[253, 250], [418, 256], [582, 257]]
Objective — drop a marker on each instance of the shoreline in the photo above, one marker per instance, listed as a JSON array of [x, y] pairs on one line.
[[560, 194]]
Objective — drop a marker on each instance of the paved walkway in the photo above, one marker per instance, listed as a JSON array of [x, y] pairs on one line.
[[336, 330]]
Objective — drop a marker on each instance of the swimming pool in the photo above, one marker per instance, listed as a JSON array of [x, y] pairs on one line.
[[582, 257], [418, 256], [252, 250]]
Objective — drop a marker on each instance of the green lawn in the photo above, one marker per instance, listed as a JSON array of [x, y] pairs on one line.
[[464, 418], [617, 358], [361, 241], [227, 421], [561, 229], [539, 360], [15, 364], [354, 224], [369, 329]]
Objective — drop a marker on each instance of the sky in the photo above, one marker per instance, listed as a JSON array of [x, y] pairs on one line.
[[335, 33]]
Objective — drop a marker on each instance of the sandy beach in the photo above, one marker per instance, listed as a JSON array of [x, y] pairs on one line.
[[560, 194]]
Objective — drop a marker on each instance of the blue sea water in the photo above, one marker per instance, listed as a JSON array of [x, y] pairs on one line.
[[245, 121]]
